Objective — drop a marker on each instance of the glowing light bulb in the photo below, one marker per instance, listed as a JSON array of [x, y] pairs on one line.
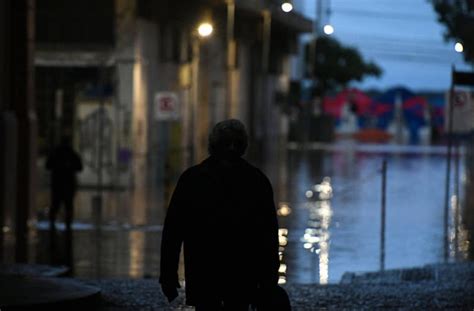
[[458, 47], [205, 29], [287, 7], [328, 29]]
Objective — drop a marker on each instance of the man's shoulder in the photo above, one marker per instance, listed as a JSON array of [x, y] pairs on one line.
[[207, 166], [190, 171], [255, 172]]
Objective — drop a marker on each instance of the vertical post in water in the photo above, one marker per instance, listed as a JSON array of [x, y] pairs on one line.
[[448, 172], [456, 191], [383, 215]]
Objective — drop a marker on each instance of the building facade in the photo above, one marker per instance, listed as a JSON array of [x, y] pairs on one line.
[[139, 89]]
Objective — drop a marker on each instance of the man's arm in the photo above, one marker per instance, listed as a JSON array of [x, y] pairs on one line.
[[49, 161], [77, 162], [270, 259], [171, 241]]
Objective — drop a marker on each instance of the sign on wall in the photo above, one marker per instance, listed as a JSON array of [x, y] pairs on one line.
[[166, 106], [463, 112]]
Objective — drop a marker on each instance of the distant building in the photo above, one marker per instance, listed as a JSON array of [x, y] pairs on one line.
[[124, 53]]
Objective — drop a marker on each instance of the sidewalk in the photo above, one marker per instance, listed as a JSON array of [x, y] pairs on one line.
[[433, 287], [34, 287]]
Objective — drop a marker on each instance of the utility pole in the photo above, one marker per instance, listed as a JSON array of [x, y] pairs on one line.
[[319, 17], [448, 172], [383, 215], [22, 88], [262, 141], [231, 110]]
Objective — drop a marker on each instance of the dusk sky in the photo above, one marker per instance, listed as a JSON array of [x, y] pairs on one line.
[[402, 36]]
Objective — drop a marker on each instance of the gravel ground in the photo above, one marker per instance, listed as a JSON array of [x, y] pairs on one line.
[[436, 287]]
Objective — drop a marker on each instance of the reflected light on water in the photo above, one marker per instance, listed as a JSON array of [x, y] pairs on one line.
[[458, 235], [324, 263], [283, 241], [324, 189], [284, 210], [316, 236], [453, 247], [137, 243]]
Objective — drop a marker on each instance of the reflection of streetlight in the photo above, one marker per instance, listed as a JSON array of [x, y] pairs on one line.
[[205, 29], [287, 7], [328, 29], [458, 47]]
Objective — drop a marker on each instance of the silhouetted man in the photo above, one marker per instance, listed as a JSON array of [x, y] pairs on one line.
[[222, 212], [64, 163]]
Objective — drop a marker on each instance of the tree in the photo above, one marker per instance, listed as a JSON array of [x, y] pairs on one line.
[[458, 18], [335, 65]]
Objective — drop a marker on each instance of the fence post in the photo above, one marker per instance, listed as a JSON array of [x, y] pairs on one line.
[[383, 215], [448, 175], [456, 191]]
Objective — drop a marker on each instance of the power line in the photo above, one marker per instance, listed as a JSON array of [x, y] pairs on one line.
[[421, 40], [382, 14], [411, 58], [406, 49]]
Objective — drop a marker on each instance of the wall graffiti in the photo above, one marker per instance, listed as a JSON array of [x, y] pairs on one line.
[[90, 140]]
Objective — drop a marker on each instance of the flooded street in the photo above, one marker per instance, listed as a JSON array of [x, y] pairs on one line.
[[329, 234], [329, 206]]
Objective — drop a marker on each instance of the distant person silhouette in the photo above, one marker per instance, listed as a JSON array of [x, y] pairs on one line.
[[222, 212], [64, 163]]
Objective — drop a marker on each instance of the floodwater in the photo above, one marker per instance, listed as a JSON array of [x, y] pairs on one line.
[[338, 228], [329, 205]]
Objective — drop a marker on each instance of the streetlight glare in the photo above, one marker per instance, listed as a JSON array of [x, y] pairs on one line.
[[287, 7], [328, 29], [458, 47], [205, 29]]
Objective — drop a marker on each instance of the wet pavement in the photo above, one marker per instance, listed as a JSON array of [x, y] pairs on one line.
[[452, 288], [328, 199]]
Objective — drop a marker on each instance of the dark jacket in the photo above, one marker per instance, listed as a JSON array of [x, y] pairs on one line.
[[223, 213]]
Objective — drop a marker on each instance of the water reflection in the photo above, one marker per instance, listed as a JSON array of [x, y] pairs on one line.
[[316, 238], [335, 230], [137, 251], [283, 209], [458, 235], [282, 241]]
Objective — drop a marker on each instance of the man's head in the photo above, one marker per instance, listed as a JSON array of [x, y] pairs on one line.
[[66, 140], [228, 139]]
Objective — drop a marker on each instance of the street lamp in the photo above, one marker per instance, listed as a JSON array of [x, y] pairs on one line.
[[287, 6], [328, 29], [458, 47], [205, 29]]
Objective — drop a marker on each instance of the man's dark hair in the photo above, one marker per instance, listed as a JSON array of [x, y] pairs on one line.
[[228, 139]]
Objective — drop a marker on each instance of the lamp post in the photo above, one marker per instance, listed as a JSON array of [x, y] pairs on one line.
[[231, 110], [203, 31]]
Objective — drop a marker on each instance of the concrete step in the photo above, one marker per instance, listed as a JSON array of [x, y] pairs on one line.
[[33, 270], [19, 292]]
